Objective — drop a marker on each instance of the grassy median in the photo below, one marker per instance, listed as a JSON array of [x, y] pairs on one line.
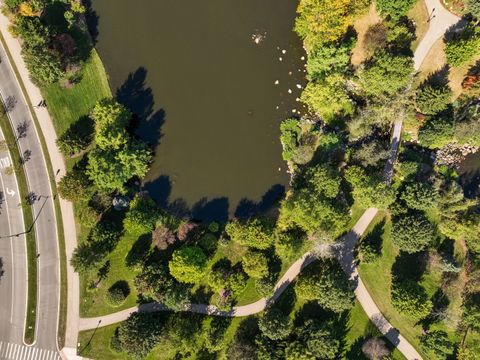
[[28, 219]]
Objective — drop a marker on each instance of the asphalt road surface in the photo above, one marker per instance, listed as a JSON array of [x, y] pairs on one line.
[[13, 256], [43, 207]]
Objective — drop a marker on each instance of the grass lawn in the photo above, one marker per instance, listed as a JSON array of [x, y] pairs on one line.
[[93, 300], [67, 105]]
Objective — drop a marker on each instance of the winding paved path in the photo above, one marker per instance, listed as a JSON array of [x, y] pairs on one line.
[[439, 23]]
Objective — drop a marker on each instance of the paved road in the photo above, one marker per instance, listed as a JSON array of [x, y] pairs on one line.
[[58, 164], [13, 256], [11, 351], [43, 210]]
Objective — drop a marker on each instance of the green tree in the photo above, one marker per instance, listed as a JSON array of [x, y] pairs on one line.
[[111, 119], [117, 293], [412, 232], [395, 9], [289, 243], [275, 325], [111, 169], [420, 196], [385, 75], [255, 264], [313, 214], [75, 186], [473, 7], [328, 97], [139, 334], [142, 216], [324, 180], [463, 47], [471, 311], [72, 142], [214, 331], [369, 191], [254, 233], [437, 132], [223, 276], [327, 284], [431, 100], [290, 137], [322, 21], [411, 299], [328, 59], [188, 264], [437, 342]]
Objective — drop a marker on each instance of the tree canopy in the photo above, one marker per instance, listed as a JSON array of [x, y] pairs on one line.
[[412, 232], [188, 264]]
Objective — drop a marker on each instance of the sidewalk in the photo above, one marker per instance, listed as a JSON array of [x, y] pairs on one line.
[[46, 127]]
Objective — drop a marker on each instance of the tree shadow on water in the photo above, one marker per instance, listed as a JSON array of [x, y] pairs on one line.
[[138, 97], [247, 208]]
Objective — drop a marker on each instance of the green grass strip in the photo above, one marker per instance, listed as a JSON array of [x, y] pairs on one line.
[[30, 235], [62, 321]]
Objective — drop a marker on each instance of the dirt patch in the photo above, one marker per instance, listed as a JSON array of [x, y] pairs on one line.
[[361, 26]]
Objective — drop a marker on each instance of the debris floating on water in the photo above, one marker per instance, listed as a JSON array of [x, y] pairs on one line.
[[297, 99], [299, 86], [276, 82], [284, 51], [280, 58], [258, 36], [294, 110], [289, 91], [289, 73], [277, 107], [302, 58]]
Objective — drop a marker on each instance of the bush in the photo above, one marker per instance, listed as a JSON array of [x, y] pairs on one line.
[[412, 232], [432, 100], [188, 264], [87, 216], [411, 299], [75, 186], [117, 293], [327, 59]]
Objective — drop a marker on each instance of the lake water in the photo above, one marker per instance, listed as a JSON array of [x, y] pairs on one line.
[[206, 95]]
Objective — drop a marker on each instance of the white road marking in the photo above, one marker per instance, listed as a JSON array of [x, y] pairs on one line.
[[5, 162], [10, 192], [10, 351]]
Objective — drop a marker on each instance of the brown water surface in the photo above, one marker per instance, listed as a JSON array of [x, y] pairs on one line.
[[206, 96]]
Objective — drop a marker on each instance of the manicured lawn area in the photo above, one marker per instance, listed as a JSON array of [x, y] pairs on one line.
[[67, 105], [92, 301]]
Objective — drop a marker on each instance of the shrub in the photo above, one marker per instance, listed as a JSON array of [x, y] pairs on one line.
[[117, 293], [188, 264], [327, 59], [72, 142], [75, 186], [411, 299], [432, 100], [375, 349], [87, 216]]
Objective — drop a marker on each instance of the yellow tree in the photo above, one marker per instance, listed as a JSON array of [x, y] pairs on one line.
[[322, 21]]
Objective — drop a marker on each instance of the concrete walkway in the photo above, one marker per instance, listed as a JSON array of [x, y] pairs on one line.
[[440, 21], [438, 25], [34, 96]]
